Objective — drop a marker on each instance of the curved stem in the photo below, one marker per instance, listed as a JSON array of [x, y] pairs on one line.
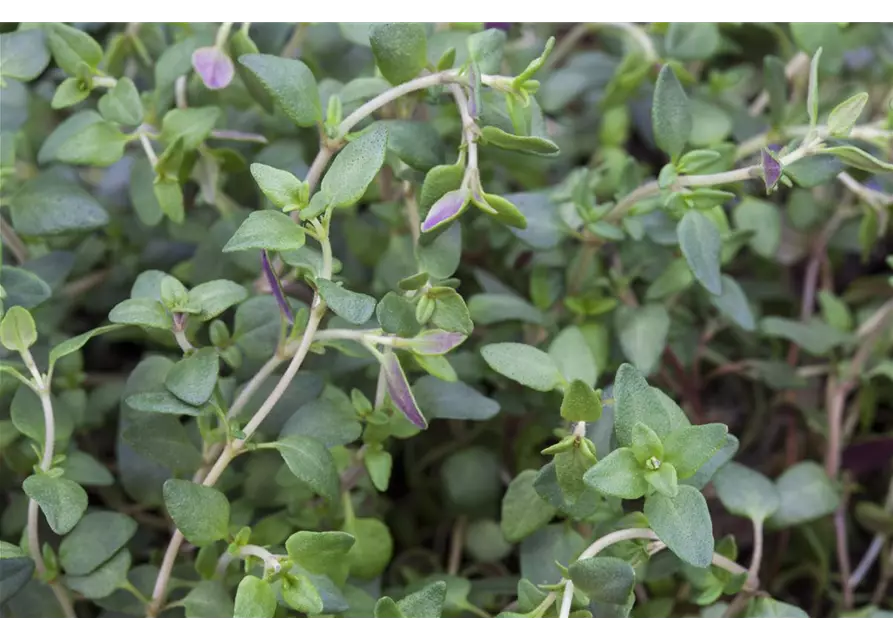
[[46, 461], [635, 534], [652, 188], [425, 82]]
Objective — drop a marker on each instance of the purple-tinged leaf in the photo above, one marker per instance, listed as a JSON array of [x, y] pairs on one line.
[[401, 394], [436, 342], [214, 67], [503, 26], [450, 206], [771, 169], [276, 288]]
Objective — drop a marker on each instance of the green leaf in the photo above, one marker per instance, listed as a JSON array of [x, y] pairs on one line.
[[416, 143], [618, 474], [69, 93], [524, 364], [372, 550], [670, 113], [215, 297], [683, 524], [664, 479], [290, 84], [17, 329], [396, 315], [241, 44], [764, 607], [71, 46], [581, 403], [194, 377], [122, 104], [835, 311], [267, 229], [506, 212], [254, 599], [378, 463], [530, 145], [700, 243], [571, 352], [192, 125], [814, 336], [400, 50], [22, 288], [200, 513], [642, 332], [27, 416], [492, 308], [689, 41], [72, 345], [470, 479], [675, 278], [635, 401], [441, 257], [165, 441], [282, 187], [62, 501], [645, 443], [311, 463], [48, 206], [162, 402], [450, 312], [689, 447], [856, 157], [571, 466], [355, 167], [86, 470], [209, 599], [105, 580], [301, 594], [806, 494], [452, 400], [746, 492], [764, 220], [486, 49], [15, 573], [23, 54], [142, 312], [169, 196], [844, 116], [98, 536], [387, 608], [354, 307], [322, 553], [427, 602], [523, 510], [331, 422], [604, 579], [733, 304], [776, 87]]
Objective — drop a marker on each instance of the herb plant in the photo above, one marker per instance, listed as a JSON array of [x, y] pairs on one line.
[[404, 320]]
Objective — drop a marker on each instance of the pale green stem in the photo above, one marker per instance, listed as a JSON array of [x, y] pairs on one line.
[[42, 386], [104, 81], [425, 82], [869, 133], [222, 34], [650, 189], [635, 534], [270, 561], [147, 147]]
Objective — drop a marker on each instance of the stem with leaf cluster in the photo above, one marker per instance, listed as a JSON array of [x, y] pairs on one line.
[[41, 386], [317, 310], [638, 534]]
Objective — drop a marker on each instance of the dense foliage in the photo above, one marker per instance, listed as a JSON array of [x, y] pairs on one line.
[[404, 320]]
